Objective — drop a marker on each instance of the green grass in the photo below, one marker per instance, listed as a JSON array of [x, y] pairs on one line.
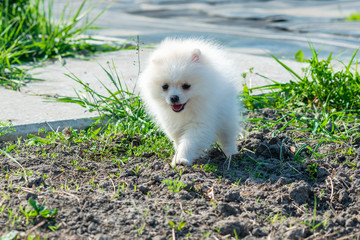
[[38, 210], [29, 33], [177, 227], [126, 130], [175, 185], [123, 110], [120, 104], [353, 17], [5, 128], [322, 102], [313, 224], [107, 142], [320, 87]]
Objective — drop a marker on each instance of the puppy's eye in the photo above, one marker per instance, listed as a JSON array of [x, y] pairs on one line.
[[186, 86], [165, 87]]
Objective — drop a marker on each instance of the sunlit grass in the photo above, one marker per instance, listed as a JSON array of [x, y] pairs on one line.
[[30, 33], [123, 112], [320, 86], [322, 103], [353, 17]]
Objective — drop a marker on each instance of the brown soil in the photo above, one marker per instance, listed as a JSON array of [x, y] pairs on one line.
[[268, 191]]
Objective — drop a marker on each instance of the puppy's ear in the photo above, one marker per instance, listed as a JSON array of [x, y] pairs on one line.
[[195, 57]]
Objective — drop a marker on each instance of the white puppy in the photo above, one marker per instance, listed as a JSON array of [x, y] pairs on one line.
[[189, 88]]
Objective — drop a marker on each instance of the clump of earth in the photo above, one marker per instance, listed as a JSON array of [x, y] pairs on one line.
[[273, 189]]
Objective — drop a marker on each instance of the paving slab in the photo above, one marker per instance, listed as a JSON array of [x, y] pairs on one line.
[[279, 26]]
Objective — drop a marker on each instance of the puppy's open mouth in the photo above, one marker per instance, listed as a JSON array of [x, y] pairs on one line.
[[178, 107]]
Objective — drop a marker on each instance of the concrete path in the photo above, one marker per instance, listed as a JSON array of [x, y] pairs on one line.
[[249, 29]]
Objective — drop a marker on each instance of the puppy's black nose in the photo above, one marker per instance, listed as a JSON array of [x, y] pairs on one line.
[[174, 98]]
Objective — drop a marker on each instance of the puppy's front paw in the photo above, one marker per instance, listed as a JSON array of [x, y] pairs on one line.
[[180, 161], [183, 161]]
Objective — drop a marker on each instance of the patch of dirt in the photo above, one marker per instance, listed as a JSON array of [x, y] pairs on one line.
[[271, 190]]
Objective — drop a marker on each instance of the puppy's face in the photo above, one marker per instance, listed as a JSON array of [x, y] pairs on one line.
[[177, 94], [174, 80]]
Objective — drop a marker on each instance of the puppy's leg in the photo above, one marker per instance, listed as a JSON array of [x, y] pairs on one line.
[[176, 147], [186, 152], [191, 145], [228, 145], [227, 139]]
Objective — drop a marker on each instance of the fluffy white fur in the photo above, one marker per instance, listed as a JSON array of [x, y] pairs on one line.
[[189, 87]]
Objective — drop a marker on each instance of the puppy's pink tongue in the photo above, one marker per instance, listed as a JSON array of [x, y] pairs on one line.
[[177, 107]]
